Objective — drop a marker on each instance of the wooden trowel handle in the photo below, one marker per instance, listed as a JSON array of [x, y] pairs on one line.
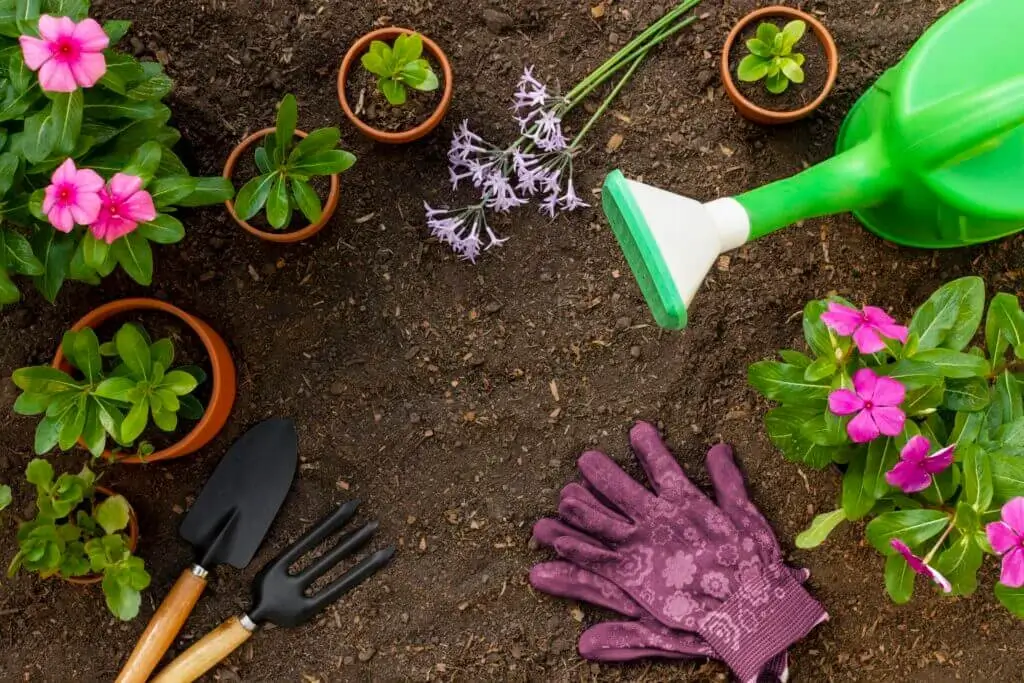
[[163, 627], [206, 654]]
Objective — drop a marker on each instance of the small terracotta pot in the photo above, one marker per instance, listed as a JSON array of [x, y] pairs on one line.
[[271, 236], [133, 542], [224, 378], [352, 58], [767, 116]]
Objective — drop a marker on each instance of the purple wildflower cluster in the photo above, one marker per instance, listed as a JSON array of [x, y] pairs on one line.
[[538, 163]]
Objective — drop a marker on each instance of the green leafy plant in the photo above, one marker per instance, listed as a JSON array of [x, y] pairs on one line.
[[286, 166], [772, 58], [117, 125], [876, 398], [118, 387], [400, 66], [76, 533]]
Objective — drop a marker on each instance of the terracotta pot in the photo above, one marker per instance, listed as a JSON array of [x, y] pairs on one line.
[[133, 542], [767, 116], [270, 235], [223, 376], [351, 60]]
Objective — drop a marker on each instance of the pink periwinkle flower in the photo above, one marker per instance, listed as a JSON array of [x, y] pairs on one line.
[[124, 205], [73, 196], [867, 327], [68, 55], [1007, 539], [916, 467], [920, 565], [876, 401]]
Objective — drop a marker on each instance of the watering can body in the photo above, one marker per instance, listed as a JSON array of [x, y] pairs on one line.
[[932, 156]]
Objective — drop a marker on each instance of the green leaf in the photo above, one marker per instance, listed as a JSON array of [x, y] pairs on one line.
[[913, 527], [955, 364], [373, 61], [393, 90], [74, 9], [766, 32], [1006, 319], [408, 47], [133, 349], [40, 135], [67, 120], [47, 434], [978, 488], [786, 384], [791, 34], [759, 48], [254, 194], [162, 352], [1007, 401], [42, 379], [83, 350], [824, 429], [966, 427], [145, 161], [32, 404], [191, 408], [116, 30], [27, 10], [792, 70], [112, 514], [9, 164], [16, 254], [287, 118], [1012, 599], [54, 250], [322, 140], [135, 422], [167, 420], [951, 316], [924, 400], [960, 563], [752, 68], [323, 163], [179, 382], [823, 368], [169, 191], [883, 454], [39, 473], [279, 210], [856, 497], [93, 435], [1007, 477], [5, 496], [796, 358], [120, 109], [968, 395], [110, 417], [116, 389], [164, 229], [822, 525], [72, 425], [9, 293], [428, 83], [135, 256], [156, 87], [784, 426], [94, 251], [899, 579], [777, 83], [122, 600], [307, 200]]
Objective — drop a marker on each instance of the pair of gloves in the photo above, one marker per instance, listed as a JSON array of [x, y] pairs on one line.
[[694, 578]]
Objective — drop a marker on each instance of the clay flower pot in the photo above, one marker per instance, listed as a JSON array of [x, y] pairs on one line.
[[330, 206], [133, 542], [223, 376], [755, 112], [352, 60]]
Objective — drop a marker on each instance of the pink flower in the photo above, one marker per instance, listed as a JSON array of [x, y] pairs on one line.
[[875, 400], [124, 205], [867, 327], [920, 566], [1007, 539], [72, 196], [915, 470], [68, 55]]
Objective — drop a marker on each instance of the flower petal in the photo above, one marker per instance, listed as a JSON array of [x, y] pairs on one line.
[[89, 68], [889, 392], [88, 180], [890, 420], [50, 28], [139, 207], [843, 319], [90, 36], [938, 578], [65, 173], [123, 186], [49, 199], [1013, 515], [862, 428], [867, 340], [55, 76], [877, 317], [86, 208], [1001, 537], [36, 52], [897, 332], [908, 477], [916, 450], [1012, 574], [864, 381], [913, 560], [61, 219], [940, 460], [844, 402]]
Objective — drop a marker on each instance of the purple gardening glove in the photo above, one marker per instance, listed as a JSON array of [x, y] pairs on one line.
[[692, 565]]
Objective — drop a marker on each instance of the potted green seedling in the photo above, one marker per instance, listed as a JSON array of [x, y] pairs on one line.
[[84, 534], [286, 167], [110, 391]]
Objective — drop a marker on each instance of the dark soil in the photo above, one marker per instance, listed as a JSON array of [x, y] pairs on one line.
[[797, 95], [370, 105], [246, 170], [422, 384]]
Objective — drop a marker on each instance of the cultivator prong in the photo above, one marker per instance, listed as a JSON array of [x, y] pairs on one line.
[[348, 544], [317, 534]]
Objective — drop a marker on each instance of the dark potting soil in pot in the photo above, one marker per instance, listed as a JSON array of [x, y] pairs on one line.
[[797, 95], [246, 170], [188, 350], [370, 105]]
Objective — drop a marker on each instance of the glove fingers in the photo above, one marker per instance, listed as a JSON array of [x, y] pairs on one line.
[[586, 554], [598, 522], [584, 492], [610, 481], [661, 466], [732, 497], [546, 531], [625, 641], [565, 580]]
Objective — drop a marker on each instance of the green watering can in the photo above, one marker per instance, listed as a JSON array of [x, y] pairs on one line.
[[932, 156]]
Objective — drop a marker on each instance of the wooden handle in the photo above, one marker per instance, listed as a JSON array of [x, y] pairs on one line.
[[206, 654], [163, 628]]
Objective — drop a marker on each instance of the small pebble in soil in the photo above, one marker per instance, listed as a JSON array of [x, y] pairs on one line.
[[635, 351], [492, 307], [366, 655], [337, 388], [623, 323], [496, 22]]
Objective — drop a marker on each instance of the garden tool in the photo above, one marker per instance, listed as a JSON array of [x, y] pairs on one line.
[[932, 156], [280, 597], [226, 525], [695, 566]]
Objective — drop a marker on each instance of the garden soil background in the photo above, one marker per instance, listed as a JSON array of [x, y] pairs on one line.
[[453, 399]]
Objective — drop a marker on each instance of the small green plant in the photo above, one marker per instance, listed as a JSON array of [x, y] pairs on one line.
[[772, 58], [400, 66], [286, 166], [75, 534], [117, 388]]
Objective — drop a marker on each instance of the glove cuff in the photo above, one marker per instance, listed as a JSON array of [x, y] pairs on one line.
[[760, 620]]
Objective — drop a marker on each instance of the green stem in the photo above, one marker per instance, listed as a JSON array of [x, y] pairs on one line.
[[942, 539], [608, 100]]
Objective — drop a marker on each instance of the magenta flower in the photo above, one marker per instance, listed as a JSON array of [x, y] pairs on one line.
[[1007, 539], [916, 468], [72, 196], [68, 55], [124, 205], [875, 399], [919, 565], [867, 327]]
